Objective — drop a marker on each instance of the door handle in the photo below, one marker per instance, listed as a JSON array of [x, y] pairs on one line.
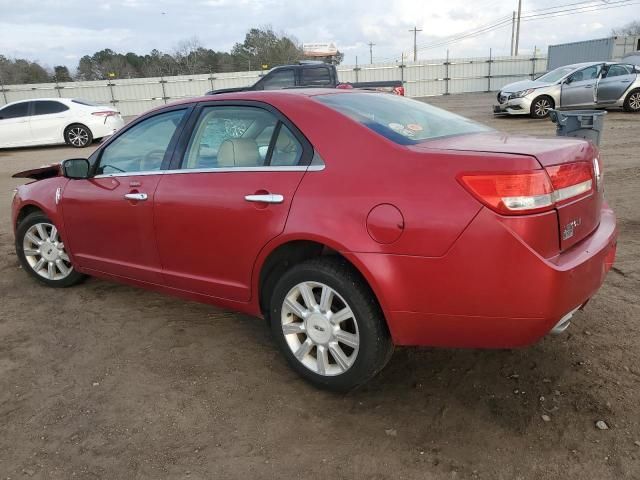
[[266, 198], [588, 86], [139, 197]]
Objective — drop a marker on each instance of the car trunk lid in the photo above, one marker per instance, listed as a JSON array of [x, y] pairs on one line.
[[571, 164]]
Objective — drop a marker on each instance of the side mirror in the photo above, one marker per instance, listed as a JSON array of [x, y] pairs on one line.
[[76, 168], [568, 80]]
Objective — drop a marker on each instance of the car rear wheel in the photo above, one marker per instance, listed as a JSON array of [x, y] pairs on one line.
[[632, 102], [328, 324], [541, 107], [78, 136], [42, 252]]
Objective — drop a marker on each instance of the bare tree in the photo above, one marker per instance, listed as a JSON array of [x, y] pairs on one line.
[[631, 28]]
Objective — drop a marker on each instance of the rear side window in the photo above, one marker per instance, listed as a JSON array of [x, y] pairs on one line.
[[279, 79], [400, 119], [46, 107], [15, 111], [617, 70], [319, 76]]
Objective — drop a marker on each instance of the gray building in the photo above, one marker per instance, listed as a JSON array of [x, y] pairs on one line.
[[605, 49]]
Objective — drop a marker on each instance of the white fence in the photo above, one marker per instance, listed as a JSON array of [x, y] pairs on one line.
[[421, 79]]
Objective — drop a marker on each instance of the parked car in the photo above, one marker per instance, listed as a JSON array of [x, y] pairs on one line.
[[49, 121], [352, 221], [311, 74], [583, 85]]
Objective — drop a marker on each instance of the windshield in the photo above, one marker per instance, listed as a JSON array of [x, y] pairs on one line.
[[400, 119], [555, 75]]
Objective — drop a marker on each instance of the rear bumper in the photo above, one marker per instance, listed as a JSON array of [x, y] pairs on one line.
[[105, 126], [491, 290]]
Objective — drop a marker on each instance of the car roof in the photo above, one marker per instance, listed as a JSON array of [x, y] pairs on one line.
[[266, 96]]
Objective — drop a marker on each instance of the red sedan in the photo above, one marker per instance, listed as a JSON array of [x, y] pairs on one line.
[[352, 221]]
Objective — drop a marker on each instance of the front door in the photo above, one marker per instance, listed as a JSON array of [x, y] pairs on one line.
[[14, 125], [617, 79], [109, 217], [580, 88], [230, 196]]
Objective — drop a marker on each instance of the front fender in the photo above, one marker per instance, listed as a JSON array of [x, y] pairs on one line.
[[41, 195]]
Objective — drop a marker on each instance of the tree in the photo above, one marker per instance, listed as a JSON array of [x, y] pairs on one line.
[[631, 28], [265, 47], [61, 74]]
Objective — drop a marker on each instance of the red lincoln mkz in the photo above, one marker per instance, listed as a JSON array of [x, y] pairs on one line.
[[352, 221]]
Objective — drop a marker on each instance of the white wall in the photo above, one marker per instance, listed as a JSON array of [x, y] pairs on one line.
[[423, 78]]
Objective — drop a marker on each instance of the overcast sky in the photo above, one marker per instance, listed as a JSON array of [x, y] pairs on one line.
[[60, 32]]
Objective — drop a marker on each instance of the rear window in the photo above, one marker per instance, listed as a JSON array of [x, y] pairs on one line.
[[400, 119], [318, 76], [85, 102]]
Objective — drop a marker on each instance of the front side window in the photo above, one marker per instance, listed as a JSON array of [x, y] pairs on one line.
[[589, 73], [142, 147], [16, 110], [46, 107], [399, 119], [279, 79]]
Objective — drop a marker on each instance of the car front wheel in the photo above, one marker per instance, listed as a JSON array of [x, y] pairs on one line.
[[42, 252], [541, 107], [328, 324]]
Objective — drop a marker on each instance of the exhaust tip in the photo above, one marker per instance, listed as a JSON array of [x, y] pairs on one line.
[[564, 323]]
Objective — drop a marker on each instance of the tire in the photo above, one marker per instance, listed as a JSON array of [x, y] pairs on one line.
[[78, 136], [541, 106], [632, 101], [41, 252], [334, 356]]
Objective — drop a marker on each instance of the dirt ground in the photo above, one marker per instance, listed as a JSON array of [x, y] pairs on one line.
[[105, 381]]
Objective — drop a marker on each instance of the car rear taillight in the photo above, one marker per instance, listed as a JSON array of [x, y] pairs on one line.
[[571, 180], [398, 91], [105, 113], [534, 191]]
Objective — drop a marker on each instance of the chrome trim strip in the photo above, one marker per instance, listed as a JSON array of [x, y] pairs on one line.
[[182, 171]]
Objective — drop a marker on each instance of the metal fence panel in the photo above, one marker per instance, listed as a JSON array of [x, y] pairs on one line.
[[421, 79]]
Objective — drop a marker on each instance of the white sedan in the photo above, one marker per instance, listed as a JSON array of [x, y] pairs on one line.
[[49, 121]]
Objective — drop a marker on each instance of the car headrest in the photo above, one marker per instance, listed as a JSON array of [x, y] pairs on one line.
[[239, 152]]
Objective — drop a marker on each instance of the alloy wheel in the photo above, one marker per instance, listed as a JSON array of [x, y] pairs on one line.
[[634, 101], [320, 328], [78, 136], [45, 253], [542, 107]]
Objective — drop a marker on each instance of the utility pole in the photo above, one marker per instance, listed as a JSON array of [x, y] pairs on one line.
[[371, 45], [415, 31], [513, 31], [518, 27]]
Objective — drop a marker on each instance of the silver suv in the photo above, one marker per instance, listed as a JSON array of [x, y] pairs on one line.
[[582, 85]]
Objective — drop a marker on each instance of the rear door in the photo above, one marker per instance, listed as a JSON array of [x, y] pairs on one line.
[[580, 88], [109, 217], [47, 120], [228, 197], [616, 80], [14, 125]]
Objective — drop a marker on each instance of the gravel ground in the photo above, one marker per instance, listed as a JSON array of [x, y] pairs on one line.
[[113, 382]]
